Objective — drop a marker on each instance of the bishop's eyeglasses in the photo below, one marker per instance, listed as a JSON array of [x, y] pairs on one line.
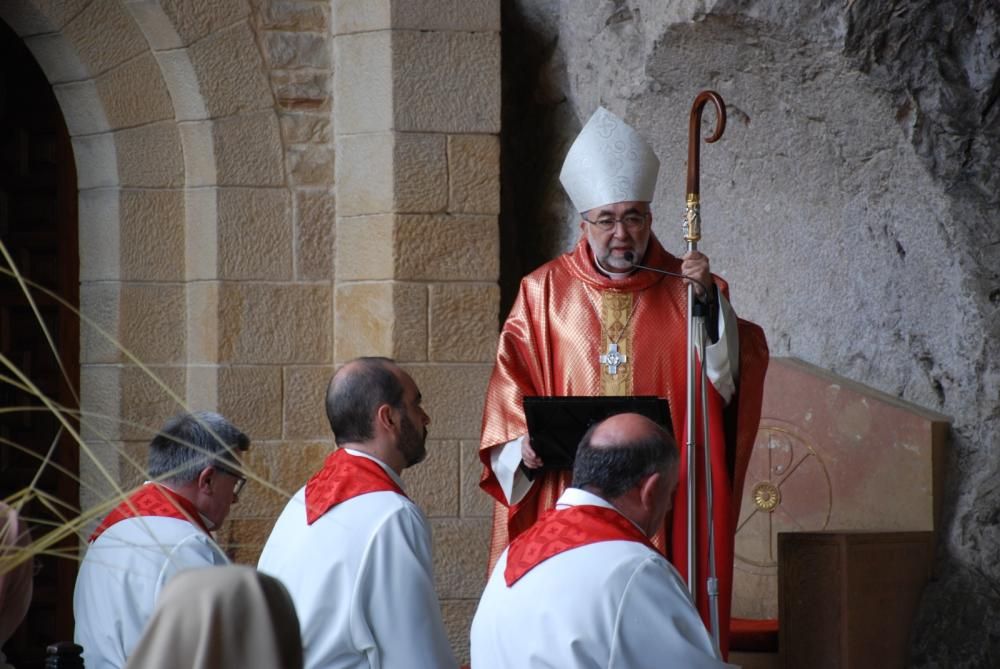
[[631, 221], [241, 480]]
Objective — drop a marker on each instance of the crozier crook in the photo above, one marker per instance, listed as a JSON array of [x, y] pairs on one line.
[[693, 217]]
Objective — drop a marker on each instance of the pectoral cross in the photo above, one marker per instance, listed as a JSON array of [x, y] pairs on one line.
[[613, 358]]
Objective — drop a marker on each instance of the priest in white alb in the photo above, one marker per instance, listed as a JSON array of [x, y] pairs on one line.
[[584, 586], [592, 323], [163, 528], [353, 550]]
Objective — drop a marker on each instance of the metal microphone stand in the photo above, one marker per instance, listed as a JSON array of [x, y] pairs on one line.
[[697, 314]]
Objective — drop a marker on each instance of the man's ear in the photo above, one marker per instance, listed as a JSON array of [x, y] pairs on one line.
[[205, 478], [384, 416], [649, 490]]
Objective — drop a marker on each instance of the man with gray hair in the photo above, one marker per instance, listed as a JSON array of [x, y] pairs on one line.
[[159, 530], [584, 586]]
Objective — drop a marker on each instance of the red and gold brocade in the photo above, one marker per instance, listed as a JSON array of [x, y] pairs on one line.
[[551, 344]]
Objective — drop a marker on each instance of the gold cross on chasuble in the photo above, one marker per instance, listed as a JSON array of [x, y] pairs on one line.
[[616, 355]]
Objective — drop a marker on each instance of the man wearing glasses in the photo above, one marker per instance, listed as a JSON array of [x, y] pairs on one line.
[[591, 322], [159, 530]]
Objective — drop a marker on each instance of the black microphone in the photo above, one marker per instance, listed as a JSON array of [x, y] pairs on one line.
[[630, 259]]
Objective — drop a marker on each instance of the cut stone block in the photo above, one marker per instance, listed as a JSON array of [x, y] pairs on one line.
[[474, 500], [315, 225], [194, 19], [263, 323], [150, 156], [305, 402], [384, 318], [240, 162], [463, 322], [433, 484], [460, 552], [255, 233], [362, 83], [134, 93], [474, 174], [230, 73], [152, 235], [89, 32], [445, 15], [445, 82], [250, 397], [453, 396]]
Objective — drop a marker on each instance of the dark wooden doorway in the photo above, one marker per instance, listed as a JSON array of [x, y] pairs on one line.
[[38, 227]]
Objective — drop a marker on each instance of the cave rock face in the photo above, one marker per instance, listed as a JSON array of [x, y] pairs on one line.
[[853, 204]]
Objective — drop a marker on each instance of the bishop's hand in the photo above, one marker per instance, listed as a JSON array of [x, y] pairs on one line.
[[528, 455], [695, 265]]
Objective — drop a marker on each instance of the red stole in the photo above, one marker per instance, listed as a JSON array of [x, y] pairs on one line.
[[559, 531], [152, 500], [342, 477]]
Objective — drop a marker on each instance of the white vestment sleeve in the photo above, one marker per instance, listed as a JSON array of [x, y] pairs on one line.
[[656, 620], [723, 357], [505, 459], [395, 615]]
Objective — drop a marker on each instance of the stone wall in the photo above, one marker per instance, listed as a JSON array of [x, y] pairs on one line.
[[229, 262], [417, 119], [852, 204]]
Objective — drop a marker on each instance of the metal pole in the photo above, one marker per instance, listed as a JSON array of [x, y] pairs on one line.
[[692, 460], [712, 581]]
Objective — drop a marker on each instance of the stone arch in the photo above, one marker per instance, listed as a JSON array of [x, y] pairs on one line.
[[158, 102]]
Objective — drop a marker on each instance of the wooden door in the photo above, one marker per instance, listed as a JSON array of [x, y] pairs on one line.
[[38, 227]]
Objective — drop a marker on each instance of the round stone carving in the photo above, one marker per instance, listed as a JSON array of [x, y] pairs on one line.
[[787, 489]]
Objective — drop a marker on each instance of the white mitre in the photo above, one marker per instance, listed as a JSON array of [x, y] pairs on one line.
[[609, 162]]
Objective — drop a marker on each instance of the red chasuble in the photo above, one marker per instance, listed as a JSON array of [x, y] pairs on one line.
[[342, 477], [559, 531], [155, 500], [565, 316]]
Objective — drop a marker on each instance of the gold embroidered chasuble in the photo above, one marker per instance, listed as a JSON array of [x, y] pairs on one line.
[[566, 316]]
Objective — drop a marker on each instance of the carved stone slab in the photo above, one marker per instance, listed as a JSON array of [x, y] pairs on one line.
[[831, 454]]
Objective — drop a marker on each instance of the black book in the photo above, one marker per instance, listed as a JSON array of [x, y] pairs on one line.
[[557, 424]]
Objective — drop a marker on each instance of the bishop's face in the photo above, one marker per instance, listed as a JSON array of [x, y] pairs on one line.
[[615, 230]]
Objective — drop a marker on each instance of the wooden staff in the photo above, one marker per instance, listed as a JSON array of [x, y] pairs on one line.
[[696, 340]]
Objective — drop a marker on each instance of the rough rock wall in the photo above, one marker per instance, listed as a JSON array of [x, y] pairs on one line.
[[852, 204]]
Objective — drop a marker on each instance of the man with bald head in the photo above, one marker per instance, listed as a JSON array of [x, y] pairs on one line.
[[353, 550], [584, 586]]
